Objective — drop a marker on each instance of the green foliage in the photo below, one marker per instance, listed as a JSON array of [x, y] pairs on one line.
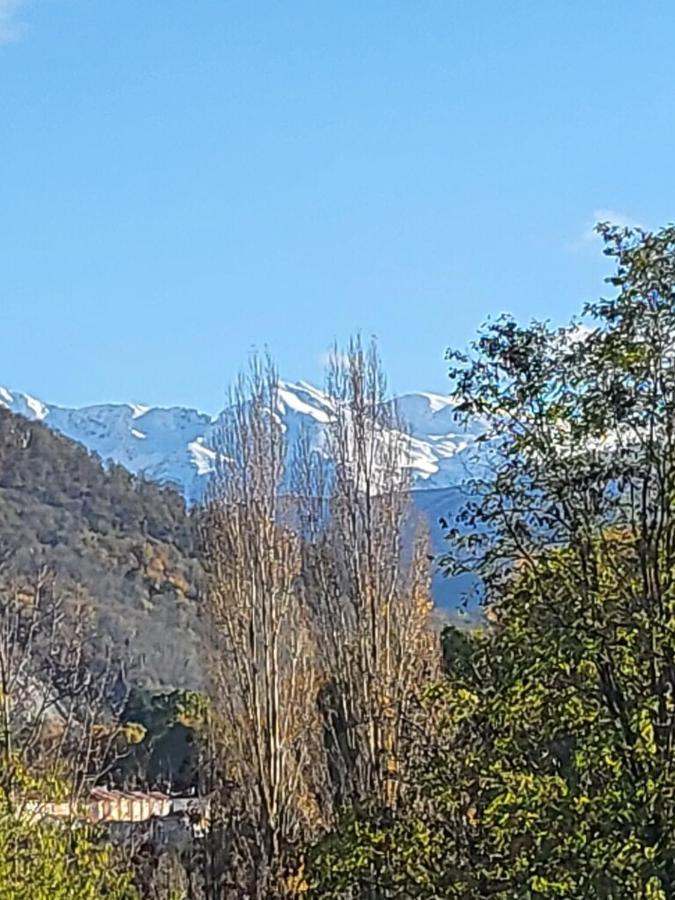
[[157, 711], [167, 753], [53, 860], [49, 861], [549, 767], [458, 648], [365, 856]]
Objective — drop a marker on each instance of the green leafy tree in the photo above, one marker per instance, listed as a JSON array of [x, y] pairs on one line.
[[573, 533], [169, 728], [43, 859], [549, 769]]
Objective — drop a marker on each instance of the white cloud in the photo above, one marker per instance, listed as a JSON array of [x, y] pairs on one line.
[[609, 215], [10, 26], [616, 218], [589, 235]]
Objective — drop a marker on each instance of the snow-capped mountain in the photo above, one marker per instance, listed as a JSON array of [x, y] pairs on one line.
[[177, 444], [164, 444]]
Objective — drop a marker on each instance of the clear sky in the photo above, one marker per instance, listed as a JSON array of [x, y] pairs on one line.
[[183, 179]]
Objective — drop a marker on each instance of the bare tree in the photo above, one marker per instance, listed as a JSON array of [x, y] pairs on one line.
[[52, 695], [318, 594], [53, 700], [366, 580], [264, 668]]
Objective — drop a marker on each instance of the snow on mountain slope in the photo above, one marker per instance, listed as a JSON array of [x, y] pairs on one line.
[[176, 444], [163, 444]]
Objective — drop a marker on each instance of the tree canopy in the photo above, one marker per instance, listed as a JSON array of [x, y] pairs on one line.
[[549, 768]]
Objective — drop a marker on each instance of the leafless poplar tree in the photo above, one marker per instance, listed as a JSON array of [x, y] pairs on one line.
[[366, 580], [318, 593], [264, 668]]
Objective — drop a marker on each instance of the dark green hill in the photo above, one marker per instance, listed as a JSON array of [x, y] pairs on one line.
[[123, 545]]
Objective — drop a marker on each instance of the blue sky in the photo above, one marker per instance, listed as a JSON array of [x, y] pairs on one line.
[[183, 179]]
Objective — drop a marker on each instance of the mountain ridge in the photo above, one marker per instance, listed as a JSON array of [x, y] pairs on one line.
[[176, 444]]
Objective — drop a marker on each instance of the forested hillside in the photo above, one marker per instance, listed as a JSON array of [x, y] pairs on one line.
[[121, 548]]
